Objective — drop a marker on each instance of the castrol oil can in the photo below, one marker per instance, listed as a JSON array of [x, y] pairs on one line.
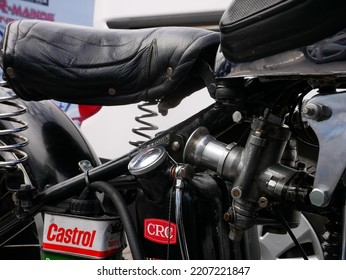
[[77, 237]]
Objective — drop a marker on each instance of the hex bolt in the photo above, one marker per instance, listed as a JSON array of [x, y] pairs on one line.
[[271, 184], [318, 197]]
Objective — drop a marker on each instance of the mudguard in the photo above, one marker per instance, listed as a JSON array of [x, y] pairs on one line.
[[56, 144]]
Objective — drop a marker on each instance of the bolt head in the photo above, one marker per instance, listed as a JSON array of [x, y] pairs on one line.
[[310, 109], [318, 197], [237, 117], [271, 185], [112, 91], [262, 202], [175, 146], [236, 192], [226, 216]]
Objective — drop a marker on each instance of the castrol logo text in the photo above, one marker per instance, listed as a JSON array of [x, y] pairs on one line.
[[160, 231], [71, 236]]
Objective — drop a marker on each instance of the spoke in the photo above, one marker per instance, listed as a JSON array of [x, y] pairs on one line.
[[1, 198], [13, 236], [21, 245], [274, 245], [4, 216]]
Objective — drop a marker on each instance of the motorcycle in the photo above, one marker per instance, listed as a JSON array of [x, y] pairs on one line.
[[264, 160]]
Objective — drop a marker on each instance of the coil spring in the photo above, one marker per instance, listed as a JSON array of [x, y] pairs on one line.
[[147, 126], [332, 240], [11, 142]]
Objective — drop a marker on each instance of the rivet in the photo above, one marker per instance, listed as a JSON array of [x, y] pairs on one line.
[[112, 91], [169, 71], [10, 71], [175, 146]]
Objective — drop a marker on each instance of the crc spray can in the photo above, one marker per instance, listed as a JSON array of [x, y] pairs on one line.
[[204, 201]]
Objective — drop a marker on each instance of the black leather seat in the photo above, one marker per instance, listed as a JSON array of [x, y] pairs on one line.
[[252, 30], [45, 60]]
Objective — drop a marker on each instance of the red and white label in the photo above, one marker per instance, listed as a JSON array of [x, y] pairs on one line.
[[160, 231], [73, 236], [84, 237]]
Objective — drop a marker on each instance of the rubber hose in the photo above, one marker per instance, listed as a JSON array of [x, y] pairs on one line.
[[121, 206]]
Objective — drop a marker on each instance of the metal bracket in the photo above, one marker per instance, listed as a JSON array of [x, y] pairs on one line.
[[85, 166], [330, 129]]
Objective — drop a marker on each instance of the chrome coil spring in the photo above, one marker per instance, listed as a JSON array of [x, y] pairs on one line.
[[11, 141], [146, 125]]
